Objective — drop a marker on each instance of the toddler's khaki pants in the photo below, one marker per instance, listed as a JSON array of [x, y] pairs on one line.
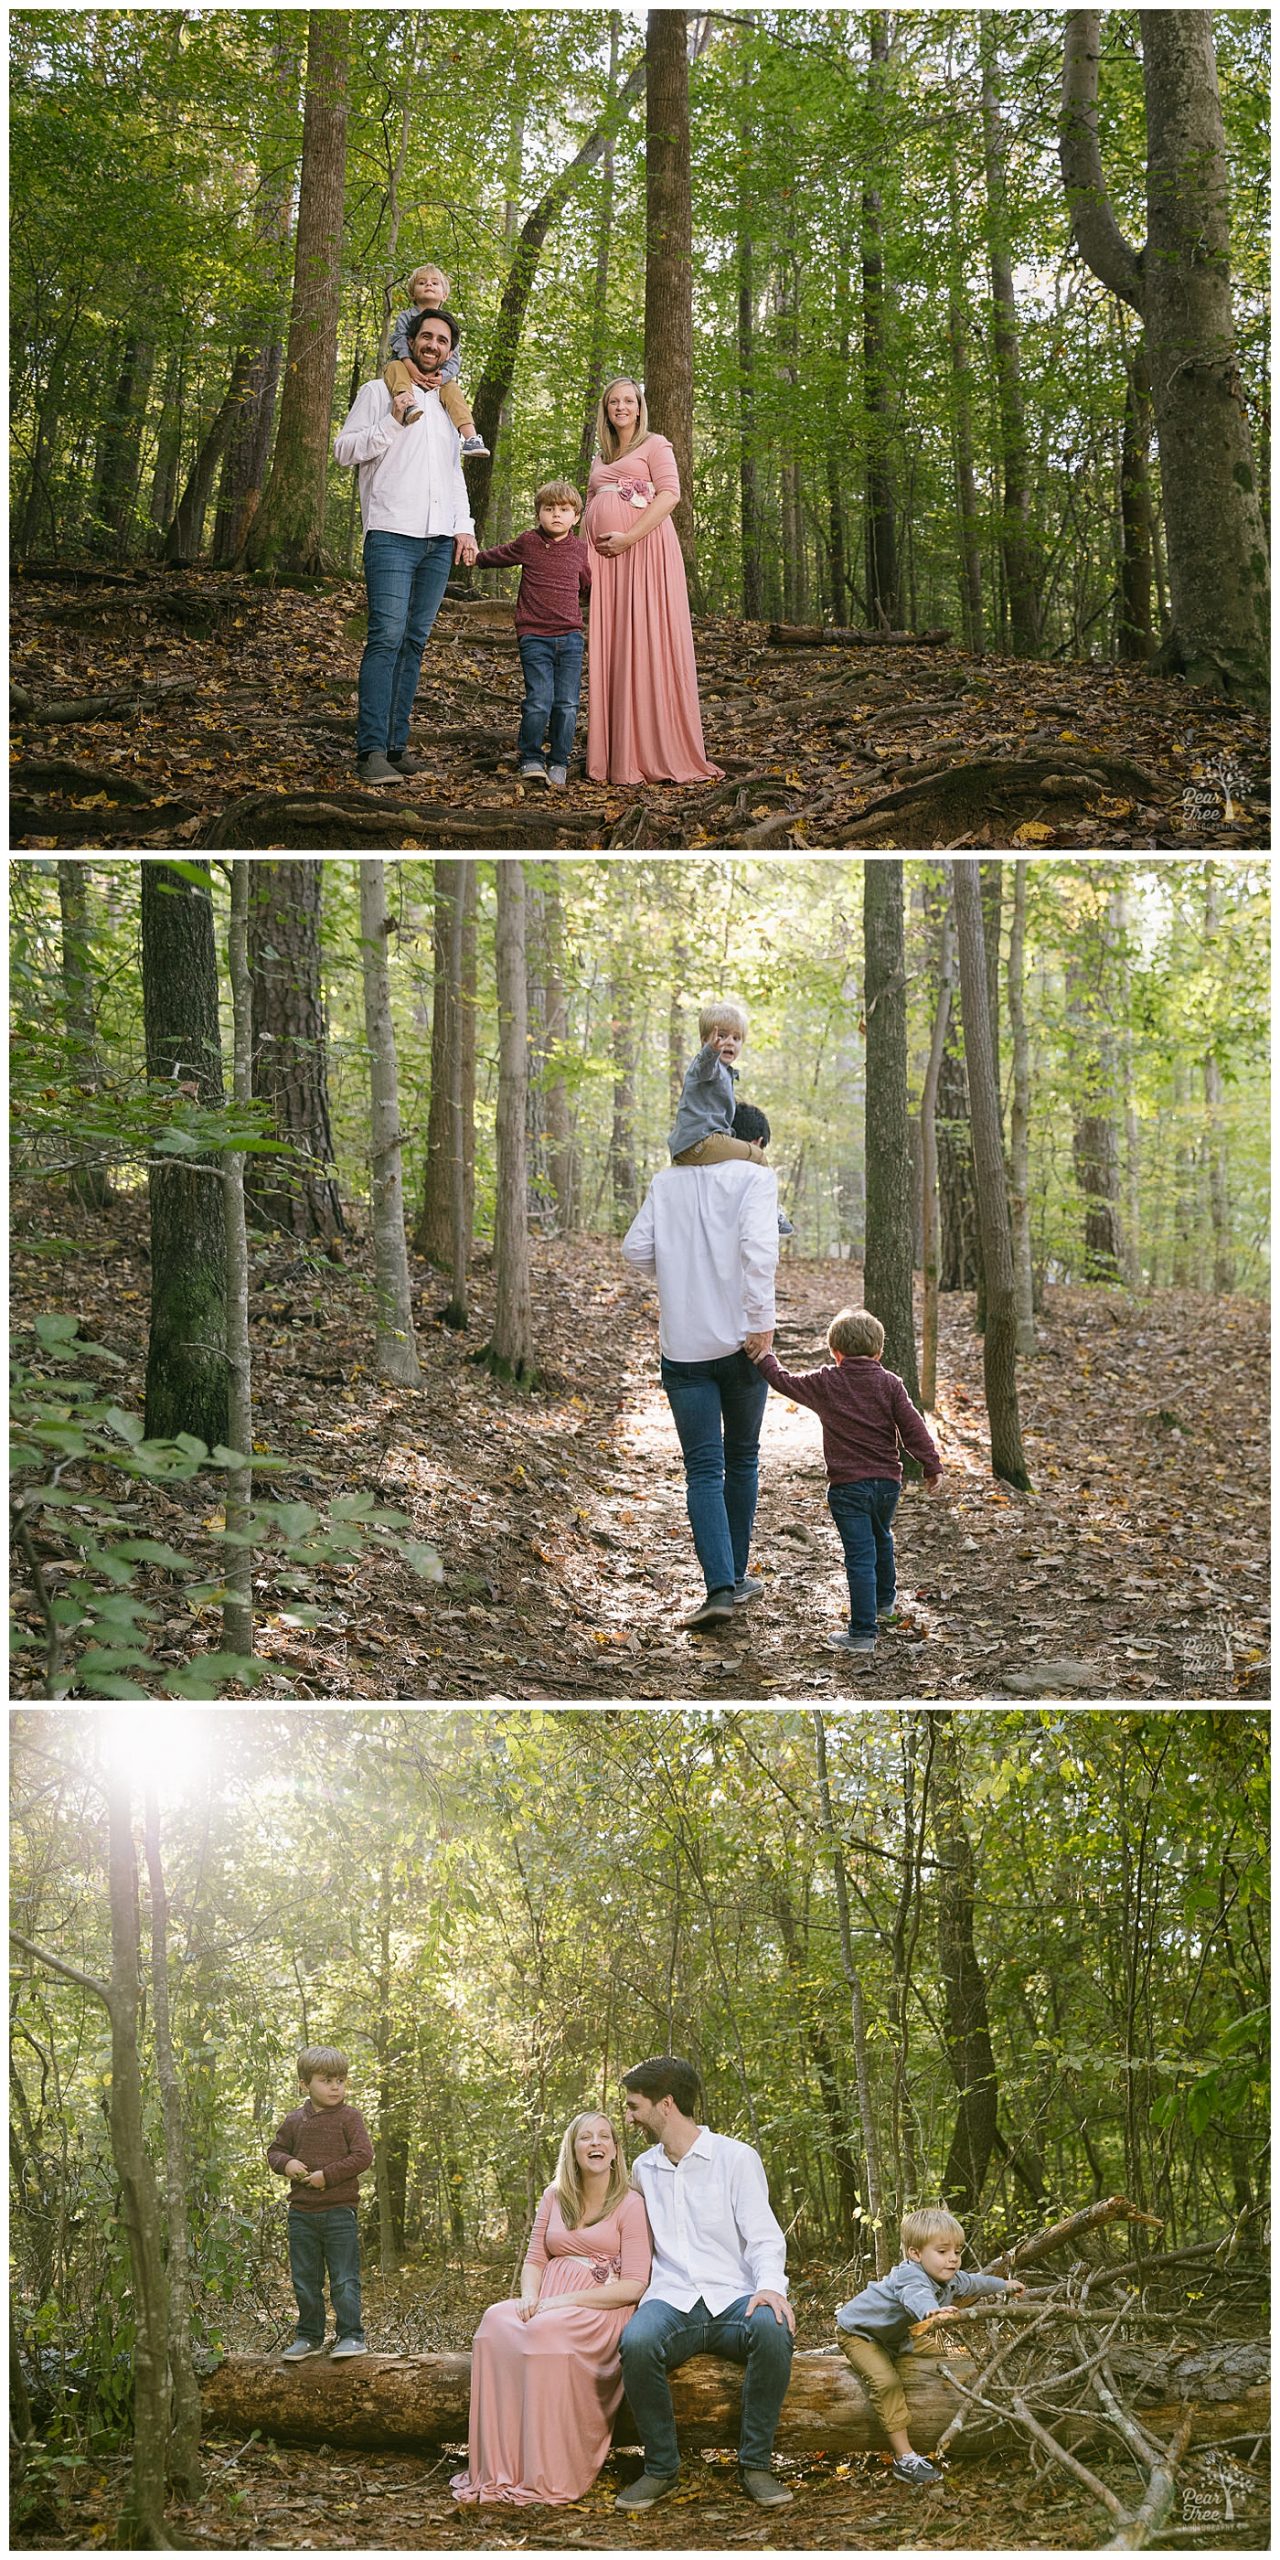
[[881, 2376], [397, 378], [721, 1149]]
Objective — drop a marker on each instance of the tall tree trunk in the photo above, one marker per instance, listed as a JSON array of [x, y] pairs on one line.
[[1090, 997], [144, 2526], [961, 383], [884, 583], [748, 491], [929, 1165], [1020, 1124], [999, 1340], [560, 1152], [87, 1180], [184, 2471], [1135, 635], [186, 533], [290, 1050], [244, 463], [857, 2006], [991, 879], [810, 2003], [510, 1353], [957, 1199], [164, 477], [1015, 529], [1224, 1269], [597, 345], [237, 1608], [495, 382], [887, 1271], [668, 271], [288, 530], [443, 1231], [1180, 285], [503, 465], [623, 1179], [966, 2031], [186, 1355], [120, 446], [397, 1350]]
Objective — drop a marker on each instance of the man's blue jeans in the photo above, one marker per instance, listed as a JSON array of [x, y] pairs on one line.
[[327, 2238], [863, 1514], [405, 575], [552, 664], [718, 1407], [658, 2337]]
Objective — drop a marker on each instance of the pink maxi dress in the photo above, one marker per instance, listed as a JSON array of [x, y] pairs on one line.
[[545, 2392], [644, 723]]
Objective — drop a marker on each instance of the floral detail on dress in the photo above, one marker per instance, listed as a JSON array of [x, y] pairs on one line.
[[603, 2268], [638, 493]]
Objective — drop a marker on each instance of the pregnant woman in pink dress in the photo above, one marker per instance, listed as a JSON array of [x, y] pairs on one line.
[[546, 2378], [644, 723]]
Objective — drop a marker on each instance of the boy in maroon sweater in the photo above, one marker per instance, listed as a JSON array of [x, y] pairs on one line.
[[555, 575], [323, 2149], [865, 1411]]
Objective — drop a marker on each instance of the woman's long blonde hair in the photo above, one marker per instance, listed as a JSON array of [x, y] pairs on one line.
[[606, 435], [568, 2178]]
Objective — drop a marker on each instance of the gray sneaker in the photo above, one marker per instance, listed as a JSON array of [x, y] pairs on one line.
[[349, 2347], [714, 1610], [558, 774], [300, 2348], [374, 768], [646, 2491], [848, 1643], [531, 772], [750, 1588], [764, 2489], [915, 2468]]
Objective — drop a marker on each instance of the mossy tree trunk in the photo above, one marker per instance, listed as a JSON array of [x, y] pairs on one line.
[[186, 1354]]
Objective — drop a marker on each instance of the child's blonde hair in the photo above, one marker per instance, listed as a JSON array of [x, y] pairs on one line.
[[721, 1017], [429, 267], [930, 2222], [321, 2057], [855, 1333], [557, 493]]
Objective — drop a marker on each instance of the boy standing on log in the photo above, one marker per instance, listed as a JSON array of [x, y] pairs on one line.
[[882, 2320], [718, 2285], [323, 2149]]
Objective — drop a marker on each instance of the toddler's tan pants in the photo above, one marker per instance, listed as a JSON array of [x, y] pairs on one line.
[[397, 378], [881, 2376], [721, 1149]]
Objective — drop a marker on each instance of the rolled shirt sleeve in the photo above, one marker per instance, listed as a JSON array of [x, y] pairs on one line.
[[763, 2242]]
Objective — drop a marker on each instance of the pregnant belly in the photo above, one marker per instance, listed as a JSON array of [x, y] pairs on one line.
[[609, 512]]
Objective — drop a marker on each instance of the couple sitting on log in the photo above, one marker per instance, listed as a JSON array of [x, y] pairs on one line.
[[624, 2280]]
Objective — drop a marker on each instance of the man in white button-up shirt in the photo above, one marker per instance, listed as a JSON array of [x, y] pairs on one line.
[[417, 522], [718, 2285], [709, 1233]]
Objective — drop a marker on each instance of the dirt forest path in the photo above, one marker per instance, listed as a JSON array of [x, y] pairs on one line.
[[1139, 1562]]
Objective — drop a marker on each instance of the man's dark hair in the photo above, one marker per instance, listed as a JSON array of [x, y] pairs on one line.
[[451, 324], [751, 1123], [666, 2075]]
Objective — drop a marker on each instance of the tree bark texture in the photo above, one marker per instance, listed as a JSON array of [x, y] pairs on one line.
[[1015, 526], [511, 1351], [414, 2400], [87, 1179], [598, 345], [288, 529], [1134, 640], [495, 381], [999, 1339], [668, 286], [748, 487], [883, 577], [929, 1163], [1020, 1124], [432, 1236], [966, 2026], [1180, 285], [186, 533], [887, 1271], [397, 1351], [237, 1607], [184, 2438], [290, 1050], [186, 1355], [139, 2202]]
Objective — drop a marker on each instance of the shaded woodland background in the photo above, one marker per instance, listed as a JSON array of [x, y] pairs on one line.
[[1017, 1959], [383, 1267]]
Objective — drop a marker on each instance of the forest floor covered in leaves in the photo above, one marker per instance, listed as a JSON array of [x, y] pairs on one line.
[[275, 2497], [185, 709], [1136, 1569]]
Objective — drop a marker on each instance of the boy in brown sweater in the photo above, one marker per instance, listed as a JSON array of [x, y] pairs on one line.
[[865, 1412], [323, 2149]]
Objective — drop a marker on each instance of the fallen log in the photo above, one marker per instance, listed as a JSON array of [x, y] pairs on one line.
[[350, 822], [817, 635], [422, 2399]]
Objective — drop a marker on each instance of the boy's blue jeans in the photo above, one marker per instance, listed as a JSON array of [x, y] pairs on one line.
[[552, 664], [863, 1513], [658, 2337], [405, 575], [717, 1407], [328, 2238]]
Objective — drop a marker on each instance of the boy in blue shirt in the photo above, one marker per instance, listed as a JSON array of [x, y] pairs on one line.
[[926, 2286], [703, 1129]]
